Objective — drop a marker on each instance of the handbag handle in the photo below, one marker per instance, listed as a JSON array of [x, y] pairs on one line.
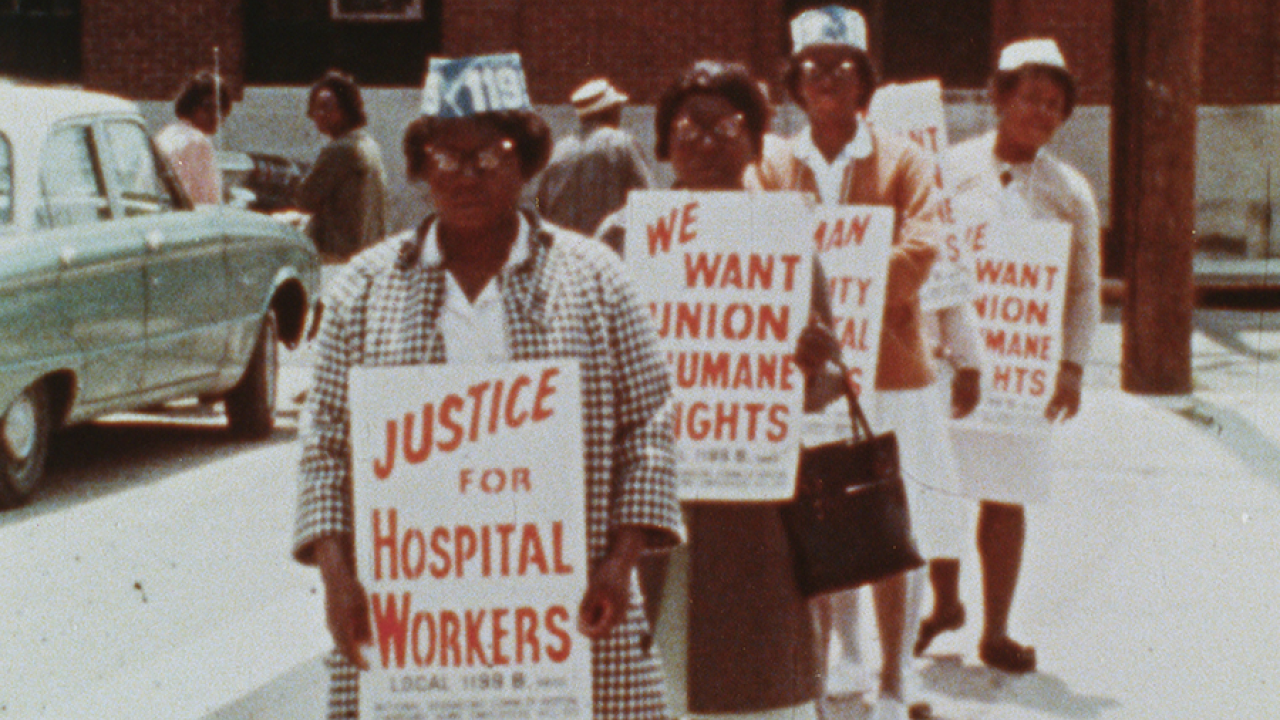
[[857, 418]]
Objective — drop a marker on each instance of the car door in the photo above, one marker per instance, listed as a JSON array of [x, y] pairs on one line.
[[100, 275], [186, 326]]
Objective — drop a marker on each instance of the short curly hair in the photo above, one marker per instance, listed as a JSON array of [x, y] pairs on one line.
[[199, 89], [346, 93], [1005, 82], [862, 65], [730, 81], [525, 128]]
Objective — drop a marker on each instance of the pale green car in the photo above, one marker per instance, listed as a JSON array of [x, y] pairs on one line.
[[115, 293]]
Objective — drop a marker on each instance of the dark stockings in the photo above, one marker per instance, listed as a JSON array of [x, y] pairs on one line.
[[1001, 531], [948, 611]]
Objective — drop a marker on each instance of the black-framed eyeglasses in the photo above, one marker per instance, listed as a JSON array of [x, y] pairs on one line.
[[688, 130], [486, 159], [843, 71]]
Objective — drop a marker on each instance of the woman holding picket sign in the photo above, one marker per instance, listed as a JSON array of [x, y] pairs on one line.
[[1034, 94], [748, 641], [485, 281], [841, 159]]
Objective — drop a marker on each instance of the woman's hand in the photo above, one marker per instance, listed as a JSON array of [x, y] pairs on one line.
[[345, 603], [816, 345], [1065, 402], [608, 593], [966, 390]]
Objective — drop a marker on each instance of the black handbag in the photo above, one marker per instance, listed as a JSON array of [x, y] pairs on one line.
[[848, 523]]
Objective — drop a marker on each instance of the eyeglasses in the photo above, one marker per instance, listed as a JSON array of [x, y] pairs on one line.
[[486, 159], [843, 71], [688, 130], [1053, 103]]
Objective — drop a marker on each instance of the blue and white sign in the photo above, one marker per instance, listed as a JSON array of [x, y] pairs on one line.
[[461, 87]]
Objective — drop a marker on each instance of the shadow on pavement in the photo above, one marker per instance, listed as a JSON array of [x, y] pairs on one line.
[[1046, 694], [129, 450], [1239, 436]]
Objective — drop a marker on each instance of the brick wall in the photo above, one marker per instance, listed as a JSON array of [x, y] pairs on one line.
[[640, 45], [1241, 62], [1240, 55], [145, 48]]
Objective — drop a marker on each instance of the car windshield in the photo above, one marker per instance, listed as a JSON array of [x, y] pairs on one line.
[[6, 181]]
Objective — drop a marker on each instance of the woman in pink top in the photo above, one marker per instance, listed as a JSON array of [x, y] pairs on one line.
[[200, 106]]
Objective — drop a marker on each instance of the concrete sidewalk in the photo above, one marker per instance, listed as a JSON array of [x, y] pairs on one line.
[[1150, 579]]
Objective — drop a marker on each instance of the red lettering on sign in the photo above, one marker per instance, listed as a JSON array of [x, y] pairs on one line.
[[663, 229]]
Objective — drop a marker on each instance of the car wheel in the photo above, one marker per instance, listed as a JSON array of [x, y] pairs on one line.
[[251, 404], [24, 445]]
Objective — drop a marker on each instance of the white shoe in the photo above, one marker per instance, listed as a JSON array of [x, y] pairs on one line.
[[887, 708], [847, 678]]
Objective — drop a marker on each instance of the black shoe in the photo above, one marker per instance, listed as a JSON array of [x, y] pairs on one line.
[[1007, 655]]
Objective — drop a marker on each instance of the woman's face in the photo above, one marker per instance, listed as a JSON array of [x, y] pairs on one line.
[[326, 113], [829, 83], [474, 175], [710, 144], [1032, 112]]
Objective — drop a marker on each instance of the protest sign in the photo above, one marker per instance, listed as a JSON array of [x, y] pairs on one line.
[[915, 110], [1021, 276], [728, 277], [853, 243], [471, 540]]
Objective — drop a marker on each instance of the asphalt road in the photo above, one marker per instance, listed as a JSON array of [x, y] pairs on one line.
[[150, 575]]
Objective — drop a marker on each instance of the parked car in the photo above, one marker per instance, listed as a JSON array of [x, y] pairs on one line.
[[116, 293], [260, 181]]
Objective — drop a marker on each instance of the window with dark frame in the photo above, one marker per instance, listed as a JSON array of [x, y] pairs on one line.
[[40, 40], [378, 42], [375, 10]]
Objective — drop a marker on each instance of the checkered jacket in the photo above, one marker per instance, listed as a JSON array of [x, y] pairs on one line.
[[570, 299]]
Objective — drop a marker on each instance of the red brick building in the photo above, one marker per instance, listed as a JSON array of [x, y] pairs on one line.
[[144, 48]]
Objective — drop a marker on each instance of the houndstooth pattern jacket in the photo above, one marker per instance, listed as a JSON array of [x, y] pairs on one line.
[[569, 299]]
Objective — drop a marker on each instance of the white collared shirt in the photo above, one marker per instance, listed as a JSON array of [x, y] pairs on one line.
[[475, 332], [830, 175]]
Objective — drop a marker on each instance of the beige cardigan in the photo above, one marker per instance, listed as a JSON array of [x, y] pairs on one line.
[[898, 174]]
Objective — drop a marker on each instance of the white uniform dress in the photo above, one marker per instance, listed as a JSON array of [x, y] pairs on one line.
[[1017, 468]]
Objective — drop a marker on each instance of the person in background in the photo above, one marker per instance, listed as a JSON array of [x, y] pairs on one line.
[[1034, 94], [840, 158], [737, 621], [590, 173], [345, 190], [201, 105], [470, 285]]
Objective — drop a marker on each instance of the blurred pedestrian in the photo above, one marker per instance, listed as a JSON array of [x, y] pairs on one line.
[[345, 190], [748, 640], [470, 285], [840, 158], [201, 105], [1034, 94], [591, 172]]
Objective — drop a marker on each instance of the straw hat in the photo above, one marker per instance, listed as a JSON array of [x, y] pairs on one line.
[[596, 96]]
